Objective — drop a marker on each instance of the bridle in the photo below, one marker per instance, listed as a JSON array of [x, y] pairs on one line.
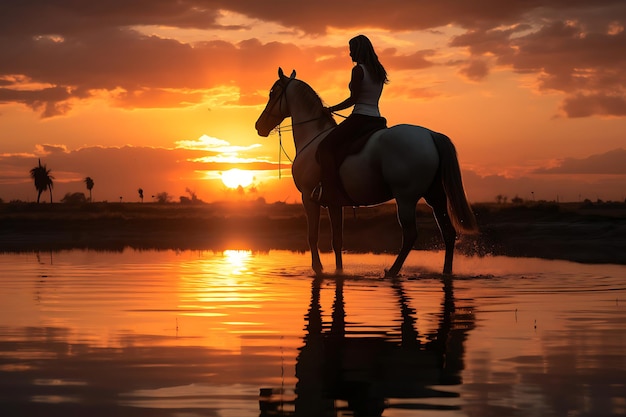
[[289, 128], [277, 128]]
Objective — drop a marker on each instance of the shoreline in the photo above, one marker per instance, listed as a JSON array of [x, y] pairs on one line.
[[576, 232]]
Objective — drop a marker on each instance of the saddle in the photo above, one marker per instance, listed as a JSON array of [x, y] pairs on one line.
[[348, 148], [355, 143]]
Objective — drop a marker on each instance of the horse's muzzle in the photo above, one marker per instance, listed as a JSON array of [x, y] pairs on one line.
[[261, 130]]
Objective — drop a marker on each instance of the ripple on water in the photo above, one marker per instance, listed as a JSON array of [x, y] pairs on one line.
[[139, 331]]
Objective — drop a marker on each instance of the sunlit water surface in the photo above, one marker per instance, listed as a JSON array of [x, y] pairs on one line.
[[237, 333]]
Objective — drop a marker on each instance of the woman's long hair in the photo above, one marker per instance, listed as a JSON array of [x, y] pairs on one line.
[[363, 53]]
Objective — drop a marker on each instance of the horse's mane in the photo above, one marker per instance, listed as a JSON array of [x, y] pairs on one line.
[[311, 99]]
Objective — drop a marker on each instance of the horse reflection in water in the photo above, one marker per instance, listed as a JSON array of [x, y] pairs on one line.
[[342, 371]]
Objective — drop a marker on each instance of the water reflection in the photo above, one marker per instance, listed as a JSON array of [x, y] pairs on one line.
[[341, 367], [181, 333], [237, 260], [55, 377]]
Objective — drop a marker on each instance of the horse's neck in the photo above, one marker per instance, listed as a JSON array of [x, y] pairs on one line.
[[309, 128]]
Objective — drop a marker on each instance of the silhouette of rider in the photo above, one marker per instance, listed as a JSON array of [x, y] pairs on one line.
[[366, 86]]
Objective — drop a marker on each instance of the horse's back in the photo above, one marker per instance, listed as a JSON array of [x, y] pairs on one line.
[[409, 144], [400, 160]]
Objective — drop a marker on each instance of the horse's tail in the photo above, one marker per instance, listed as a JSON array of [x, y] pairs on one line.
[[459, 209]]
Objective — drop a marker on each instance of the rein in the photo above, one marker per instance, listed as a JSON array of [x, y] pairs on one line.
[[289, 128], [281, 147], [281, 150]]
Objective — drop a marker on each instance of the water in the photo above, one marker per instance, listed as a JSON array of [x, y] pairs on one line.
[[236, 333]]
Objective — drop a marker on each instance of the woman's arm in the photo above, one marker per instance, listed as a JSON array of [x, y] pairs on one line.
[[355, 89]]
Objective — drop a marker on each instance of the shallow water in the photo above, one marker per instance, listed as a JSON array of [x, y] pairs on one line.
[[236, 333]]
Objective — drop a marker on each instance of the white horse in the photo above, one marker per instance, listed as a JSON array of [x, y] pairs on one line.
[[404, 162]]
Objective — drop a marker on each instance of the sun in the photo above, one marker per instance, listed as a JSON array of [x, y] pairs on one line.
[[233, 178]]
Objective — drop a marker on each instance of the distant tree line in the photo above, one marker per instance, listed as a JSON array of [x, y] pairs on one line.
[[44, 181]]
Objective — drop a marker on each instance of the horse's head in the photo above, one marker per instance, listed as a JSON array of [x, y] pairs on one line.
[[276, 109]]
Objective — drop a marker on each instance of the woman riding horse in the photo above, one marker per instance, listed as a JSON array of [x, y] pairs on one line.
[[366, 87], [404, 162]]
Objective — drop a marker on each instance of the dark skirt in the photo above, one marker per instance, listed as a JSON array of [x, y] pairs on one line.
[[347, 138]]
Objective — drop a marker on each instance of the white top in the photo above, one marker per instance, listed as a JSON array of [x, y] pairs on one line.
[[369, 97]]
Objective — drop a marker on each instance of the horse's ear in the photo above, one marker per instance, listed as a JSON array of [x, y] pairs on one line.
[[281, 74], [293, 74]]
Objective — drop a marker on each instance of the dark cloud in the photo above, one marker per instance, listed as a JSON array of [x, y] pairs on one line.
[[317, 17], [47, 149], [66, 50], [577, 54], [604, 104], [65, 17], [609, 163], [148, 71], [28, 17], [475, 70], [142, 70], [416, 60], [51, 101]]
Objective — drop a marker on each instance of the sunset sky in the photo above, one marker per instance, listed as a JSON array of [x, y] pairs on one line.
[[163, 95]]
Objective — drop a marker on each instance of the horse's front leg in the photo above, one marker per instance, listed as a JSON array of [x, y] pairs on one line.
[[336, 221], [313, 225]]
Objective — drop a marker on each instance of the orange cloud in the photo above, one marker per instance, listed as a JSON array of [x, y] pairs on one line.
[[609, 163], [88, 48]]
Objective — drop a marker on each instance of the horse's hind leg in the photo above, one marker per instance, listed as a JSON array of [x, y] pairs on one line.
[[436, 198], [406, 217]]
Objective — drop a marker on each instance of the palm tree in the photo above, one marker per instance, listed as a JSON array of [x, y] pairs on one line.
[[140, 191], [89, 184], [43, 180]]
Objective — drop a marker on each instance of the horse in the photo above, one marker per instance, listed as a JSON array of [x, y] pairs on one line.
[[403, 162]]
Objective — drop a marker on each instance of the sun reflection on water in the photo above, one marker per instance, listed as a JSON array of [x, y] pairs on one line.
[[237, 260], [226, 295]]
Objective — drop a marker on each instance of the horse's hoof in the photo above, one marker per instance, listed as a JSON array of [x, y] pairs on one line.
[[390, 274]]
